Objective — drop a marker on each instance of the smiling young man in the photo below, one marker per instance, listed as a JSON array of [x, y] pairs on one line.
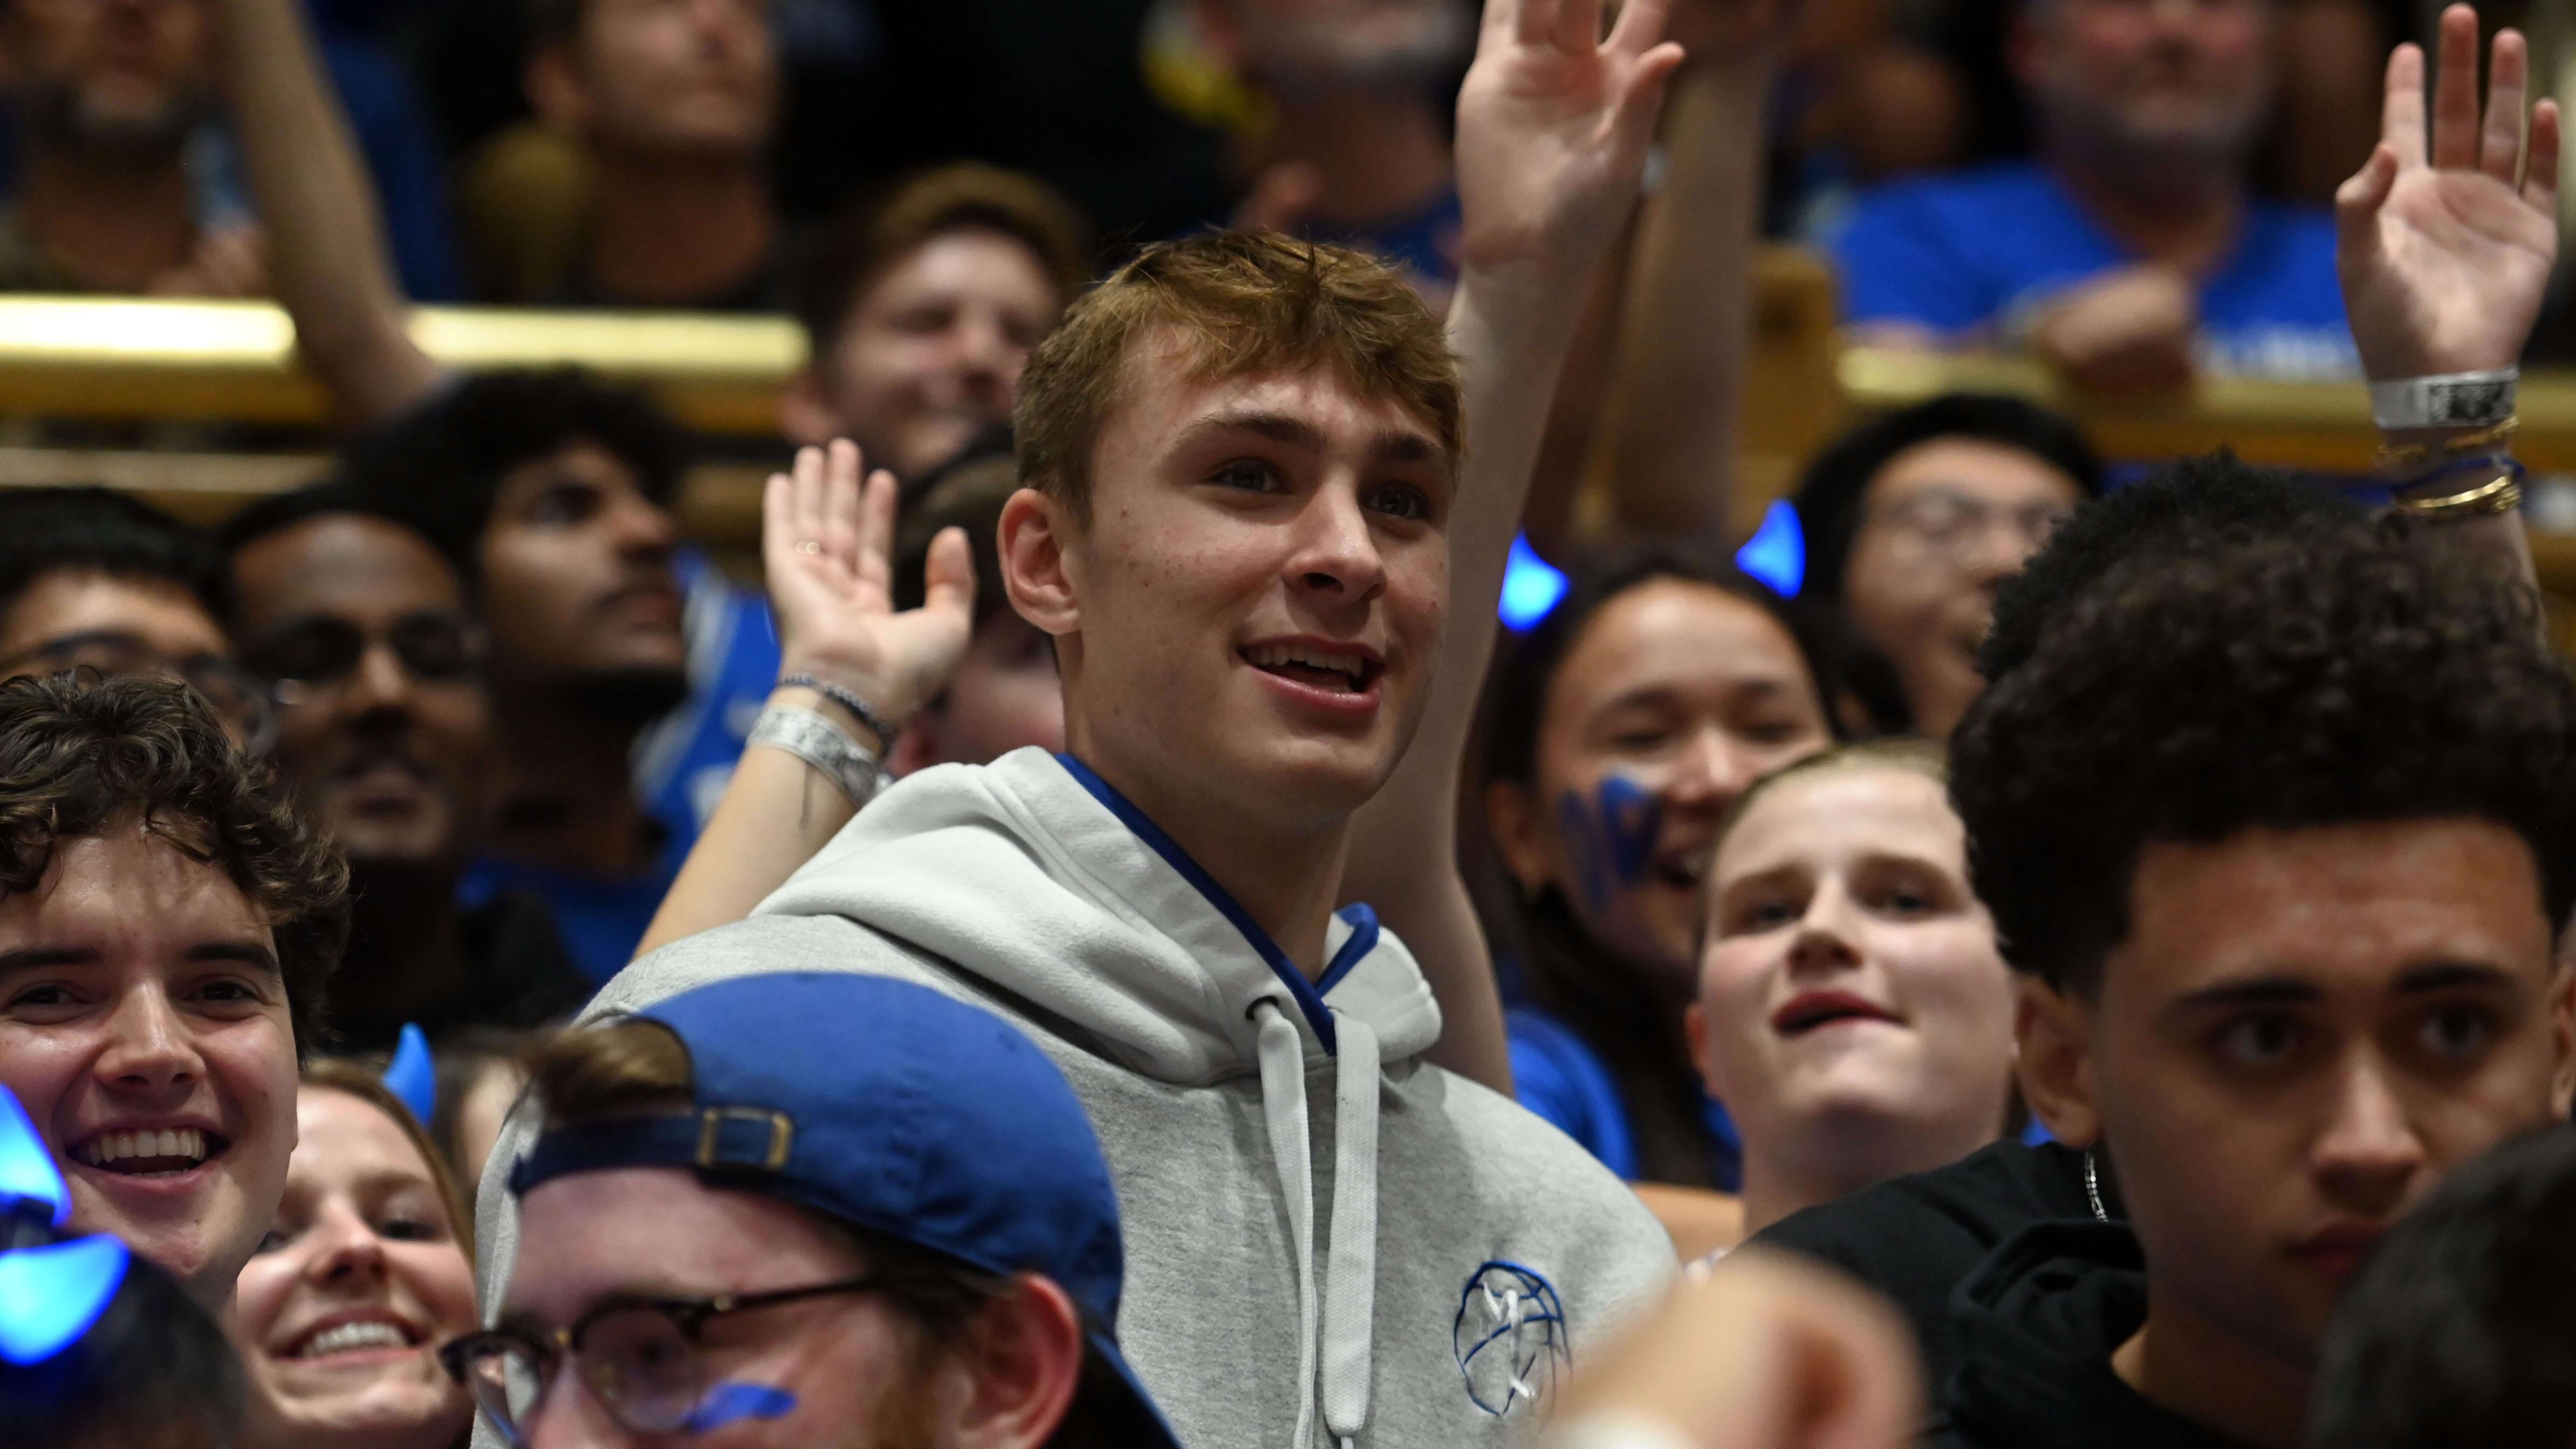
[[166, 924], [1243, 465]]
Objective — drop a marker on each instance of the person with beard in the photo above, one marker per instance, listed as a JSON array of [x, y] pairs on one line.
[[1352, 147], [2132, 253], [385, 736], [551, 492], [106, 97]]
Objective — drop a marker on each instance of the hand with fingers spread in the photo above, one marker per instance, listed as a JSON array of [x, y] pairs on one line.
[[2446, 236], [826, 539], [1553, 127]]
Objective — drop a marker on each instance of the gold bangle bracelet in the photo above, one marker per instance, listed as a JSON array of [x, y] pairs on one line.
[[2501, 494], [2416, 455]]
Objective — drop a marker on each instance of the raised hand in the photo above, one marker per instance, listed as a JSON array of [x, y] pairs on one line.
[[826, 541], [1553, 126], [2446, 236]]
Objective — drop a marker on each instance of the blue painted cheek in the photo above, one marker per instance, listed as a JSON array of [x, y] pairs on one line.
[[1632, 817], [731, 1403]]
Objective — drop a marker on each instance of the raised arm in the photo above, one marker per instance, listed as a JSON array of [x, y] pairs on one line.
[[328, 257], [1553, 125], [826, 542], [2444, 240], [1680, 373]]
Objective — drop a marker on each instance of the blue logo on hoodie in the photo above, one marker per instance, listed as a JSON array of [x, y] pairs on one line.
[[1509, 1337]]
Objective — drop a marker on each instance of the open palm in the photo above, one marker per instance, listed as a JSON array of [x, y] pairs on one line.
[[826, 540], [2446, 237], [1553, 126]]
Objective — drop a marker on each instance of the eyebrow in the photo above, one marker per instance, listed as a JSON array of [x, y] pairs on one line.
[[2290, 991], [1395, 445], [242, 953], [30, 958]]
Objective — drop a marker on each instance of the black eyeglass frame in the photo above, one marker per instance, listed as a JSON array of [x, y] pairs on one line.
[[547, 1351]]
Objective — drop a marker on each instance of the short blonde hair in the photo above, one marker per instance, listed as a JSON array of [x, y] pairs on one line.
[[1906, 754], [1246, 302]]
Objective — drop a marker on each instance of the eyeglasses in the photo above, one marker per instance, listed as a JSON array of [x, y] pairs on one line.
[[1942, 520], [309, 656], [638, 1355], [241, 699]]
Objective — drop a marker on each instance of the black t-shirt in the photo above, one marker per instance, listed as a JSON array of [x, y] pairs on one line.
[[2037, 1324], [518, 975], [1916, 1239]]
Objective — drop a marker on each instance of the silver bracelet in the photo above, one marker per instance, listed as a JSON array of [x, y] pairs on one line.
[[849, 699], [2445, 400], [811, 737]]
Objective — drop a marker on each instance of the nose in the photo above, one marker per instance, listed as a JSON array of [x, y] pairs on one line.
[[2369, 1154], [350, 1255], [1336, 556], [1714, 771], [1825, 936], [644, 529], [986, 356], [380, 684], [149, 1049]]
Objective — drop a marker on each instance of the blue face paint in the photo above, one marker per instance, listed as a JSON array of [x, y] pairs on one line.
[[731, 1403], [1610, 838]]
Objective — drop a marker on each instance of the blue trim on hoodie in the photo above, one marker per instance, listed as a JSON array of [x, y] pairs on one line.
[[1309, 995]]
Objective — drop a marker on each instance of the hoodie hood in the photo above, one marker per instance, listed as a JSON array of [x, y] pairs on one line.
[[1037, 878], [2038, 1322], [1108, 926]]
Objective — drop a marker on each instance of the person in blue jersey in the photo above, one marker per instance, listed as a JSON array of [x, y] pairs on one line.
[[1622, 729], [2132, 252], [1854, 1012]]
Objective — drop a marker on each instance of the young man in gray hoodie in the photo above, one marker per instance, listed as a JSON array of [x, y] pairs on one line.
[[1244, 455]]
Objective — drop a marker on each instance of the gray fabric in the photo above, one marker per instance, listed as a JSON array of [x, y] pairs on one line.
[[1011, 887]]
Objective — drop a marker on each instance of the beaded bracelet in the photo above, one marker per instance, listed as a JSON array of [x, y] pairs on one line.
[[849, 699]]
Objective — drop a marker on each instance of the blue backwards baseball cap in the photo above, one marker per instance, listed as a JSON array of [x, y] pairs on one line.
[[887, 1105]]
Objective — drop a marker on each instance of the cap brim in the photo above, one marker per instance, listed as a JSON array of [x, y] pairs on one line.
[[1134, 1418]]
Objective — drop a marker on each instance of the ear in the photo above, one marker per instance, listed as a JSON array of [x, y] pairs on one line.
[[1024, 1352], [1512, 819], [1040, 567], [917, 748], [2052, 1037], [1695, 1027], [555, 91], [804, 414]]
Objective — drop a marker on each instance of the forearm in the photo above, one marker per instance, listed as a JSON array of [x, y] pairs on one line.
[[1687, 316], [326, 240], [776, 813], [2496, 541]]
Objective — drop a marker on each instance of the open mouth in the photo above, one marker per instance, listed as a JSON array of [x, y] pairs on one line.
[[1332, 670], [145, 1152], [1818, 1009], [362, 1335]]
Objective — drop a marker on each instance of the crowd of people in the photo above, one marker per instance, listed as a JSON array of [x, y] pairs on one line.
[[1112, 945]]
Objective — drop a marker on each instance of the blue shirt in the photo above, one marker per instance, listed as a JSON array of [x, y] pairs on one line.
[[684, 762], [1964, 252], [1557, 1076]]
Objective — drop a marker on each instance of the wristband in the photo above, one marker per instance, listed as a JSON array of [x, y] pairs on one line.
[[848, 699], [1616, 1429], [824, 745], [2445, 400]]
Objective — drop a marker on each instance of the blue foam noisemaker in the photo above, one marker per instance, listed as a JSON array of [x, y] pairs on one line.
[[1777, 552], [412, 1075], [1532, 587], [53, 1291]]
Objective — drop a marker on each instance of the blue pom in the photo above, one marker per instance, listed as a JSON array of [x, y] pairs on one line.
[[50, 1296], [412, 1075], [26, 1167], [1777, 552], [1532, 587]]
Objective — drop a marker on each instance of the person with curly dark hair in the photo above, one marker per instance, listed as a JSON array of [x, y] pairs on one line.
[[166, 926]]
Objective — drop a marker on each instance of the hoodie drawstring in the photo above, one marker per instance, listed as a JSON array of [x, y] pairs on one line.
[[1344, 1336]]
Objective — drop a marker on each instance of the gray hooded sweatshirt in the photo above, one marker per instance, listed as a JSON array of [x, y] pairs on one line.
[[1326, 1236]]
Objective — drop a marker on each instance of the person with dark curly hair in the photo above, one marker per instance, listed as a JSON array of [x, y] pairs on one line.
[[166, 926]]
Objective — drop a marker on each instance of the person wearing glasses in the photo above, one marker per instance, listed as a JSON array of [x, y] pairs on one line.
[[384, 730], [1911, 521], [94, 579], [811, 1209]]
